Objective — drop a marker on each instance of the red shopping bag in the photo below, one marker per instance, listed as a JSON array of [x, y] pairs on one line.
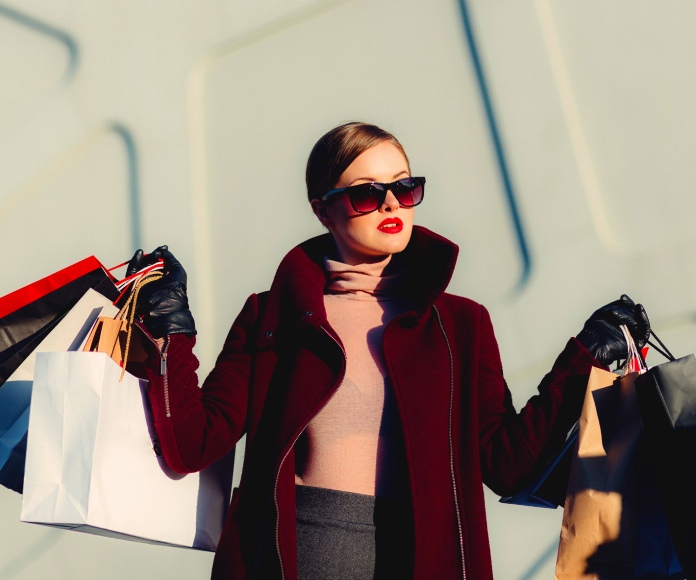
[[28, 314], [36, 290]]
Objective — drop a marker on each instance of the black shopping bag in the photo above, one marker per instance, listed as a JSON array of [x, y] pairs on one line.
[[548, 490], [667, 401]]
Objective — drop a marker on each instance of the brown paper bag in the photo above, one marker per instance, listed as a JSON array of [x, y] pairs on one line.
[[110, 336], [119, 337], [598, 530]]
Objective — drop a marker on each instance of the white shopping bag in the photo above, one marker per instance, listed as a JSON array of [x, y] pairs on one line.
[[15, 395], [92, 466]]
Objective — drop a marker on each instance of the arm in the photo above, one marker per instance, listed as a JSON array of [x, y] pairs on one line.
[[196, 426], [512, 443]]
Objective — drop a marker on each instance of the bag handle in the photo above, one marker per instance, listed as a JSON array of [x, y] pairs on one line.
[[134, 278], [668, 355], [127, 312], [634, 359]]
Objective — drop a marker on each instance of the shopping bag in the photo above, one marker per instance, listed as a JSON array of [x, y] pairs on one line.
[[670, 390], [28, 314], [92, 464], [15, 395], [598, 517], [607, 503], [14, 422], [656, 556], [667, 401], [119, 337], [548, 490]]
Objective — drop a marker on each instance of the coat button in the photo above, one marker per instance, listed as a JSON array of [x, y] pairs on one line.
[[308, 313], [268, 333]]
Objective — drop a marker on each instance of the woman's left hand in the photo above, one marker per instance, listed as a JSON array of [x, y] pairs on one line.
[[602, 336]]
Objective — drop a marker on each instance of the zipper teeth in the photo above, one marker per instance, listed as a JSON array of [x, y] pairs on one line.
[[280, 467], [165, 377], [451, 442], [275, 501]]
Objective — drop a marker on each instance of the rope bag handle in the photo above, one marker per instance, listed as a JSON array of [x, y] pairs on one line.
[[127, 312]]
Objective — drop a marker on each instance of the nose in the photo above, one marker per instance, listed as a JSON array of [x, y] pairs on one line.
[[390, 202]]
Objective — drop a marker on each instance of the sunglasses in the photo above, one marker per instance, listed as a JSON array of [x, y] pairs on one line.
[[368, 197]]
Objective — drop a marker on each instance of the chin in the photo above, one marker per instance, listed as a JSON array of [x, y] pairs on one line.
[[370, 248], [392, 246]]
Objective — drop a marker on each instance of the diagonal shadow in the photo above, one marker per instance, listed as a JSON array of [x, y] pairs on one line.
[[29, 555], [499, 150], [41, 27]]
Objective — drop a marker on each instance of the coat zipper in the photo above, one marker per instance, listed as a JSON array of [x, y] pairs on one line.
[[163, 372], [280, 467], [451, 442]]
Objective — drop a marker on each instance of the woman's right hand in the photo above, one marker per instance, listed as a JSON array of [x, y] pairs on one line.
[[163, 304]]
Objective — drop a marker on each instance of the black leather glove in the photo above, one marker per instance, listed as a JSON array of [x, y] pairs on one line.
[[602, 336], [163, 304], [140, 261]]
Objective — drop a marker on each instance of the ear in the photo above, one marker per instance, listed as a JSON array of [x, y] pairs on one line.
[[321, 211]]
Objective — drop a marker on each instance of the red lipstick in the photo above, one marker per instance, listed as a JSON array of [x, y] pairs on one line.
[[391, 226]]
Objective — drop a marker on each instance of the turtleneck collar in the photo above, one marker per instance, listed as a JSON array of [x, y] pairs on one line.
[[380, 280], [297, 292]]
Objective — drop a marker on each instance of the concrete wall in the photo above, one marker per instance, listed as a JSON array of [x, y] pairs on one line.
[[556, 138]]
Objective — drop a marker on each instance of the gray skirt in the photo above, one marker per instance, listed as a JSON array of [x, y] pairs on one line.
[[351, 536]]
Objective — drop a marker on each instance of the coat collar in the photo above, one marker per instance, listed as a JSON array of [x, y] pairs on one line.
[[297, 292]]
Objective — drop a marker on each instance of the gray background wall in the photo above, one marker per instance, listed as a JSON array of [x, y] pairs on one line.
[[556, 138]]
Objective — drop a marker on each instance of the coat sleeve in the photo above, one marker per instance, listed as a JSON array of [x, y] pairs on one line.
[[512, 443], [198, 425]]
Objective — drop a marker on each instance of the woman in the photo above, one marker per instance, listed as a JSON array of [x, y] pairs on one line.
[[373, 401]]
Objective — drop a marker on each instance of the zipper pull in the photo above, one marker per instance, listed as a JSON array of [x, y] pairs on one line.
[[163, 356]]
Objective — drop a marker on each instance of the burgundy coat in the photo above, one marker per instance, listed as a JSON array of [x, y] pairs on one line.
[[282, 361]]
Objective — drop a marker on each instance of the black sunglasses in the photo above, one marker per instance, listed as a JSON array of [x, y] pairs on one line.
[[368, 197]]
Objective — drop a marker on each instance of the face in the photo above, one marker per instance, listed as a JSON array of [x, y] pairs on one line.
[[372, 237]]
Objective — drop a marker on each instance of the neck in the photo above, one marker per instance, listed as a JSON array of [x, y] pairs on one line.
[[366, 279], [356, 259]]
